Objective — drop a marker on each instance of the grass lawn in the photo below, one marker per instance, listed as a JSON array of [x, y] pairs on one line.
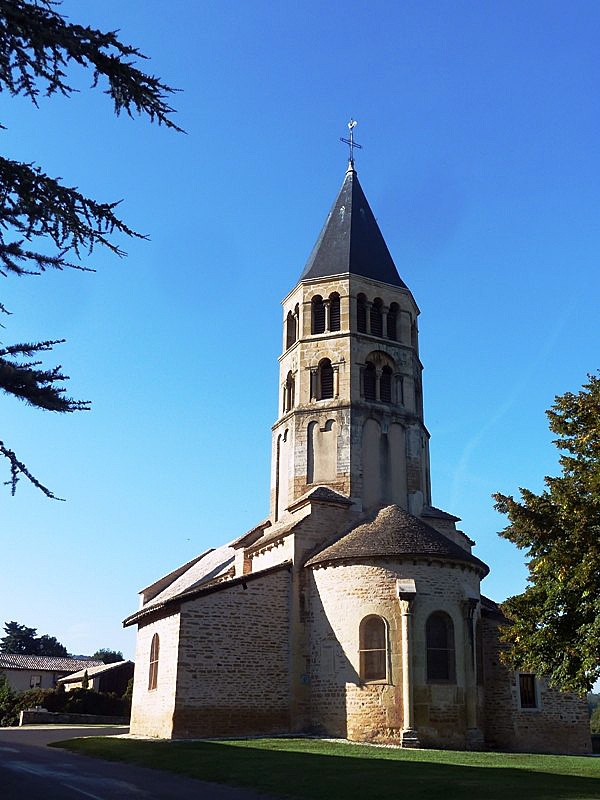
[[311, 768]]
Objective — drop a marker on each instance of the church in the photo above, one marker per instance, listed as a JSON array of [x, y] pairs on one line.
[[354, 609]]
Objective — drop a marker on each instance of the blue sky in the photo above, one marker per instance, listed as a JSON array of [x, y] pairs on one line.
[[480, 131]]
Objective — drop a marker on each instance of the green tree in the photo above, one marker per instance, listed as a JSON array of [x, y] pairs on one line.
[[555, 622], [18, 639], [50, 646], [595, 720], [21, 639], [85, 681], [8, 700], [108, 656], [43, 223]]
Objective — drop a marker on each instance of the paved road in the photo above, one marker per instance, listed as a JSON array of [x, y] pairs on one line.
[[31, 771]]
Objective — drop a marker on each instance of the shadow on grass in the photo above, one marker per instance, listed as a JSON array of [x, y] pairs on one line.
[[312, 769]]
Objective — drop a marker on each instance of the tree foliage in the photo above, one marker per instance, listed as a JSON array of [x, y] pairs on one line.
[[23, 640], [555, 623], [45, 224], [108, 656]]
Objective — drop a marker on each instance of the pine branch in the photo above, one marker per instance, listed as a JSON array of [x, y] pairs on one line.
[[37, 44], [36, 205], [36, 386], [17, 468]]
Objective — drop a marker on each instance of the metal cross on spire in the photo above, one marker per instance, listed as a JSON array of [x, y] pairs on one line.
[[350, 142]]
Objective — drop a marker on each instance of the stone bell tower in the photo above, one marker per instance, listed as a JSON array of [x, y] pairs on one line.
[[350, 397]]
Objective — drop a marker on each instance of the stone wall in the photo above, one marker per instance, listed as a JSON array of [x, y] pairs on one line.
[[43, 717], [152, 709], [233, 670], [343, 705], [559, 724]]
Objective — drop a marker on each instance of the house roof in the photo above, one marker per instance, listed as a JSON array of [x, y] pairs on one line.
[[93, 672], [350, 241], [391, 531], [49, 663]]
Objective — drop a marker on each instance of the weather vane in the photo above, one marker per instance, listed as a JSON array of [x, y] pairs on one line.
[[350, 142]]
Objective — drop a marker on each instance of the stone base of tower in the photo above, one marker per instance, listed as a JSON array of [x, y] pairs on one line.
[[410, 738], [475, 740]]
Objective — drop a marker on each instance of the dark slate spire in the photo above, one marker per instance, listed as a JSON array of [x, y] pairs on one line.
[[351, 240]]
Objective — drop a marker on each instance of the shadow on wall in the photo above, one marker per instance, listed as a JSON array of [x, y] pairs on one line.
[[330, 671]]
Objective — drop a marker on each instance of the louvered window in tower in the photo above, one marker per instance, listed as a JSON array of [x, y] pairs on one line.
[[290, 332], [326, 380], [361, 313], [370, 379], [385, 385], [377, 318], [392, 322], [334, 312], [318, 315]]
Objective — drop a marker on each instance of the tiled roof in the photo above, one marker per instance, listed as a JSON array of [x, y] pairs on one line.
[[437, 513], [391, 531], [49, 663], [323, 493], [213, 564], [350, 241], [491, 608], [93, 671], [200, 591]]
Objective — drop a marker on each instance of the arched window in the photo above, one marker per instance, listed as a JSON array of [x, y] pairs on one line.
[[377, 317], [385, 385], [373, 649], [370, 381], [439, 634], [291, 333], [392, 322], [289, 392], [153, 671], [325, 380], [334, 312], [318, 315], [361, 313]]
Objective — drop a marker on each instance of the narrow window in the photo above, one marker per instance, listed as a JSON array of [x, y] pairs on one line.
[[325, 380], [414, 335], [392, 322], [318, 315], [334, 312], [377, 317], [153, 672], [385, 385], [35, 681], [439, 634], [289, 392], [361, 313], [527, 693], [290, 333], [370, 379], [373, 649]]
